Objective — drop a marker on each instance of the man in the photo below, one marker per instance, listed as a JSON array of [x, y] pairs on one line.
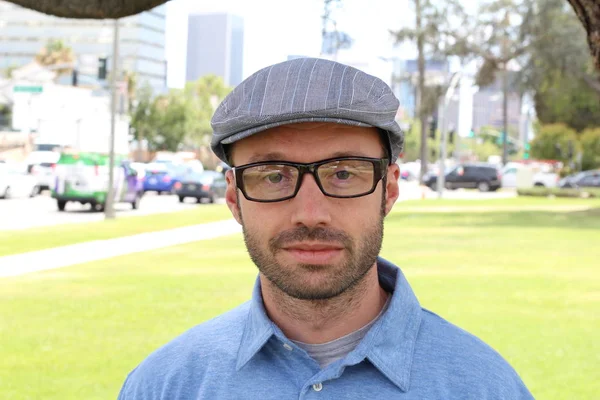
[[313, 145]]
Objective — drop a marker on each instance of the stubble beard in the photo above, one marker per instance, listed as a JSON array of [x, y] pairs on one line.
[[334, 279]]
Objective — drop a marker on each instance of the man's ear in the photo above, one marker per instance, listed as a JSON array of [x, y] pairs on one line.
[[231, 196], [392, 187]]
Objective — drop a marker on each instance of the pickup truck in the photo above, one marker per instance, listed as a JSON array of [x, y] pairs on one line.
[[540, 178]]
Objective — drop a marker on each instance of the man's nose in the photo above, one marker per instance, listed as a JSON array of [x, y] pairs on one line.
[[310, 206]]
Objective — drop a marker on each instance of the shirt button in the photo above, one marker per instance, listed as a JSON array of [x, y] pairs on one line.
[[317, 387], [287, 347]]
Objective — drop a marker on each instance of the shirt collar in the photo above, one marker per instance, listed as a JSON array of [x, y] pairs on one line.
[[258, 329], [389, 345]]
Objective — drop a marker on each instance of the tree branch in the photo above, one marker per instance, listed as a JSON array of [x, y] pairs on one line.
[[588, 12], [94, 9], [592, 82]]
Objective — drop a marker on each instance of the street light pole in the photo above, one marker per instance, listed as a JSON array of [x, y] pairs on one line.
[[444, 137], [109, 210]]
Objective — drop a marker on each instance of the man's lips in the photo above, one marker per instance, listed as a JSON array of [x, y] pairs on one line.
[[313, 247], [318, 253]]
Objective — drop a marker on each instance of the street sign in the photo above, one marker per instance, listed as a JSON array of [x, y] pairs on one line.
[[28, 89]]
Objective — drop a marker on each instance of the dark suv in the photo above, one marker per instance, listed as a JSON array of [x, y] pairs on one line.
[[484, 177]]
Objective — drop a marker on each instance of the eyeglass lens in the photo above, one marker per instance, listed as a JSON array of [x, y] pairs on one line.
[[340, 178]]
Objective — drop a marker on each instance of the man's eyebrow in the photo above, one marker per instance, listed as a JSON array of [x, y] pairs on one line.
[[277, 156], [266, 157], [350, 154]]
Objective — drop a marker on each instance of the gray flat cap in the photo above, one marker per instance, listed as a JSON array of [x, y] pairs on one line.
[[306, 90]]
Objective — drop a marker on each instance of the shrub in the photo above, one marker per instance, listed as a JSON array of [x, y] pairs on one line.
[[590, 144], [559, 192]]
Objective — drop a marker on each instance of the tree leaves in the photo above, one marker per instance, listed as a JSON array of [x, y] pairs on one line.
[[55, 53], [180, 118]]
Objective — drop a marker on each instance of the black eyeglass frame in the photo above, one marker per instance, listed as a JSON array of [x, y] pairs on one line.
[[379, 170]]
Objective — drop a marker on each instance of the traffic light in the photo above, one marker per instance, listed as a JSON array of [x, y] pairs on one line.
[[526, 152], [102, 68], [451, 136], [74, 77], [472, 133], [432, 128], [500, 139]]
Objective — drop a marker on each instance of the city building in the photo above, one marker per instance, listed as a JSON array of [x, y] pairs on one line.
[[471, 108], [215, 45], [405, 83], [24, 32], [487, 108]]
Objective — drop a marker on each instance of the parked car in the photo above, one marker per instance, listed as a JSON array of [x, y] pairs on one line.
[[208, 185], [590, 179], [409, 171], [160, 178], [83, 178], [484, 177], [140, 169], [541, 177], [41, 165], [16, 182]]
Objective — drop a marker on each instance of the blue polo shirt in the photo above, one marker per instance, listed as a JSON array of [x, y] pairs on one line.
[[409, 353]]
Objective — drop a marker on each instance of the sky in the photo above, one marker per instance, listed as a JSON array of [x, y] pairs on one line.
[[274, 29]]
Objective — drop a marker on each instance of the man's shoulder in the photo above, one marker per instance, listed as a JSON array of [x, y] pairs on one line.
[[188, 356], [464, 359]]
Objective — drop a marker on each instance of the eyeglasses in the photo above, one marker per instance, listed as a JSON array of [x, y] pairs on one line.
[[343, 177]]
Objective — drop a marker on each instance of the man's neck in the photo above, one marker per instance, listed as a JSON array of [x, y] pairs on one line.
[[321, 321]]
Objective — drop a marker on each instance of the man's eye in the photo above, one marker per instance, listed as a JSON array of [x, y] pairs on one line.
[[342, 175], [275, 178]]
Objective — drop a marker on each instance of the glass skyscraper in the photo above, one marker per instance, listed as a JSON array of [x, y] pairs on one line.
[[215, 46]]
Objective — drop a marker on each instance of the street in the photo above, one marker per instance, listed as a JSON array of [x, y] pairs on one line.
[[23, 213], [411, 190]]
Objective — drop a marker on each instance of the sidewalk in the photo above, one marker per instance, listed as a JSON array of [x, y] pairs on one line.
[[65, 256]]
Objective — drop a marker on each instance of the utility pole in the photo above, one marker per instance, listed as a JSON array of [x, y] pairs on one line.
[[109, 210], [421, 89], [505, 90]]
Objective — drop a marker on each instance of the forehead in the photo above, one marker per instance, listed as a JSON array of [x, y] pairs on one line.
[[307, 142]]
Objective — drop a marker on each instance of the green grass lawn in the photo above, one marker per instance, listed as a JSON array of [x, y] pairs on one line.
[[515, 202], [527, 283], [14, 242]]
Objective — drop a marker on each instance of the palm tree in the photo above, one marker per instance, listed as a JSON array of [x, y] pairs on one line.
[[56, 53]]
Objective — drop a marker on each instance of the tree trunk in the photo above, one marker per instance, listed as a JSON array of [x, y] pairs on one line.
[[588, 12], [506, 24], [505, 114], [96, 9], [421, 91]]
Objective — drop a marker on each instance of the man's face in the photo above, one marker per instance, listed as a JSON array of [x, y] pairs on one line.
[[313, 246]]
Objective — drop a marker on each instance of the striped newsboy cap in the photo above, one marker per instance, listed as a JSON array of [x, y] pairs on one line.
[[306, 90]]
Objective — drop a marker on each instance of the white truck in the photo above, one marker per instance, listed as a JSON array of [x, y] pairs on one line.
[[520, 175], [66, 117], [89, 135]]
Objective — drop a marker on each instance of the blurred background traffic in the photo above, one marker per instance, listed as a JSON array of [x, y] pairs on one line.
[[486, 109]]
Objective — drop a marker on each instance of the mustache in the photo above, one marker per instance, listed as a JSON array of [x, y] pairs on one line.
[[304, 233]]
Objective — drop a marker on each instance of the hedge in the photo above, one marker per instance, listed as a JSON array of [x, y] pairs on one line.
[[558, 192]]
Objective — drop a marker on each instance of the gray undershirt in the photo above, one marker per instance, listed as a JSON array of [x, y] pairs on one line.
[[327, 353]]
